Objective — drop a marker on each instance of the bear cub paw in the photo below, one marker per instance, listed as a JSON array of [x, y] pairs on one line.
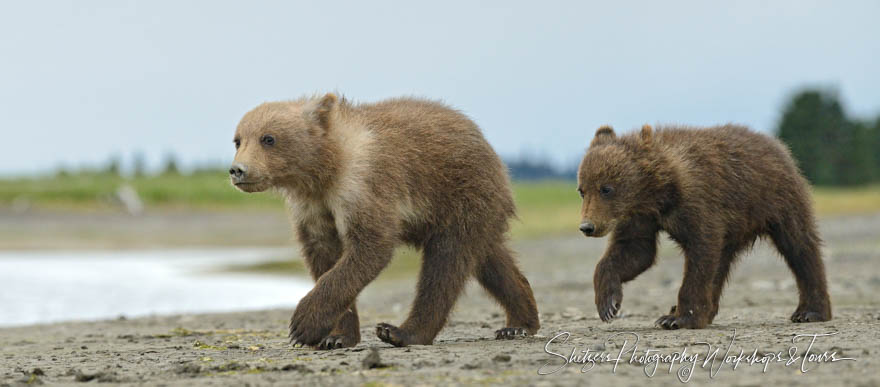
[[806, 316], [393, 335], [672, 321]]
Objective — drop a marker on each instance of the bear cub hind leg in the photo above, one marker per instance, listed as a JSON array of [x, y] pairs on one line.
[[799, 247], [502, 279]]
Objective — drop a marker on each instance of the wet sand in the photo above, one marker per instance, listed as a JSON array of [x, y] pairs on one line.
[[240, 348]]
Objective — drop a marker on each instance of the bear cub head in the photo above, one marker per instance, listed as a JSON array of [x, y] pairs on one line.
[[615, 180], [283, 144]]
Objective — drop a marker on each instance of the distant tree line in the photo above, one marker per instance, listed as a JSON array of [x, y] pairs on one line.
[[521, 168], [830, 148], [526, 168], [137, 167]]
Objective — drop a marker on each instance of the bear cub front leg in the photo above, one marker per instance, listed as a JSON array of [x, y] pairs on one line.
[[633, 250], [313, 319], [609, 292], [346, 334]]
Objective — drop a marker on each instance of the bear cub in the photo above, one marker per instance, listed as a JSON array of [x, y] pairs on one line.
[[361, 179], [714, 191]]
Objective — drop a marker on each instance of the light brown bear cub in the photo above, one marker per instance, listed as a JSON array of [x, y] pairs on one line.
[[714, 191], [360, 179]]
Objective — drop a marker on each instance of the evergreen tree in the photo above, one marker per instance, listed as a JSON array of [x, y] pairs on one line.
[[139, 164], [875, 148], [855, 162], [113, 166], [815, 128], [170, 165]]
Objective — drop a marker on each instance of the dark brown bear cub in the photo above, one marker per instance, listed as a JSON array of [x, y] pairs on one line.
[[714, 191], [361, 179]]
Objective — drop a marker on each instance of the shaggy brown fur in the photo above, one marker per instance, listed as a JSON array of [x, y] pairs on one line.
[[714, 191], [362, 179]]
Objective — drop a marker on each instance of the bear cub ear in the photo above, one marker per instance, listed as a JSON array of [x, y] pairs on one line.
[[603, 135], [320, 110]]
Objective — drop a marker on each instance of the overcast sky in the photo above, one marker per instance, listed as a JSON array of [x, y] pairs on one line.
[[82, 80]]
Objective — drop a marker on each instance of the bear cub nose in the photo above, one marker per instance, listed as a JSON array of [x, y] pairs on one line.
[[238, 171], [587, 228]]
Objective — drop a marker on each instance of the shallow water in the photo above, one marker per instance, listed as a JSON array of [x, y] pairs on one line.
[[49, 286]]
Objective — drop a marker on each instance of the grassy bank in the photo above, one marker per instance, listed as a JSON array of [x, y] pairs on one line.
[[545, 208], [89, 192]]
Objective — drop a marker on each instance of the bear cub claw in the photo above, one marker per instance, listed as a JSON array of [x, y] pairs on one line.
[[510, 333], [608, 300], [609, 310], [336, 342], [393, 335]]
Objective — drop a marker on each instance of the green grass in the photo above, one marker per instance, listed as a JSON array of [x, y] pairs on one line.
[[97, 191], [545, 208], [406, 262], [846, 201]]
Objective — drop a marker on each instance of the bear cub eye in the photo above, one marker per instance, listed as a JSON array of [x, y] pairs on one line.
[[267, 140], [237, 142], [605, 191], [581, 192]]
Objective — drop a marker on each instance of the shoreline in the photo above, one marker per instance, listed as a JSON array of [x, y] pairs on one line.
[[251, 347], [159, 229]]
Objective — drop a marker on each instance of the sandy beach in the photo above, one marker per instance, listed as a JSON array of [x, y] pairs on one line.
[[251, 347]]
